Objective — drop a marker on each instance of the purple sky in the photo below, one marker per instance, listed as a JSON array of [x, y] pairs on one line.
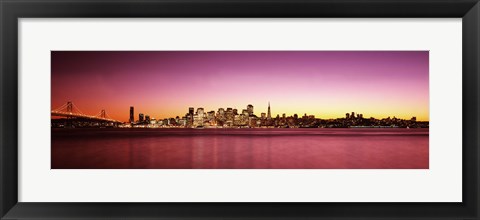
[[326, 84]]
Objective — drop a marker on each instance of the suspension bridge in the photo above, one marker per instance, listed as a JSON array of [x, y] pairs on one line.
[[71, 111]]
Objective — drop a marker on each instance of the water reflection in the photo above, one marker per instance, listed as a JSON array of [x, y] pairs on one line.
[[240, 148]]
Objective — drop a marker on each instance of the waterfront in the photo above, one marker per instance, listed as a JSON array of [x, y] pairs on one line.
[[110, 148]]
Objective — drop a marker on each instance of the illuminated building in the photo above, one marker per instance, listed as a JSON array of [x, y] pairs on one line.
[[211, 117], [147, 118], [237, 120], [229, 117], [132, 119], [200, 112], [189, 117], [250, 109], [182, 122], [220, 117], [198, 119], [253, 122], [140, 117]]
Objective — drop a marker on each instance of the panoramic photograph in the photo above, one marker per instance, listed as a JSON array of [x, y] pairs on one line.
[[239, 110]]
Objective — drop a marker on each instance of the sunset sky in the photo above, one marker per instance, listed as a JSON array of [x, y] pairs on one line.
[[163, 84]]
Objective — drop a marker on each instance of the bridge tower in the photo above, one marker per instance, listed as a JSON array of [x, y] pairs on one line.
[[68, 123], [103, 115], [69, 107]]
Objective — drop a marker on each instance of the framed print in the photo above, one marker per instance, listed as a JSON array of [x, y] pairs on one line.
[[282, 109], [183, 137]]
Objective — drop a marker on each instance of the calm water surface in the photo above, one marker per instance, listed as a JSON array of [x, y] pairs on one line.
[[240, 148]]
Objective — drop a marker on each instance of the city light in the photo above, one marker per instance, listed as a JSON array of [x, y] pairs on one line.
[[230, 118]]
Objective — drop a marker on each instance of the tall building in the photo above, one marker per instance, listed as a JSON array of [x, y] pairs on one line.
[[269, 114], [132, 119], [229, 116], [140, 117], [250, 109], [198, 118], [263, 115], [190, 115], [200, 112], [147, 118], [221, 116]]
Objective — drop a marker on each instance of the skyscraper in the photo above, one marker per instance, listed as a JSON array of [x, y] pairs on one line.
[[269, 114], [132, 119], [229, 116], [140, 117], [190, 115], [250, 109], [147, 118], [200, 112]]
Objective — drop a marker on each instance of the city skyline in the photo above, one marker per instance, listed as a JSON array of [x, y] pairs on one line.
[[228, 118], [326, 84], [136, 113]]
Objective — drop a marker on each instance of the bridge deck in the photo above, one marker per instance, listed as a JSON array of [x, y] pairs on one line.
[[77, 115]]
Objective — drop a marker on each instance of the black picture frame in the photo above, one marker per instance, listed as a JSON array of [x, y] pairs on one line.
[[12, 10]]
